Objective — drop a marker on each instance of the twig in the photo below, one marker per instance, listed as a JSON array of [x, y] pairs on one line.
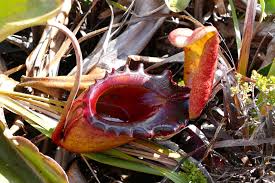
[[15, 69], [90, 168], [243, 142]]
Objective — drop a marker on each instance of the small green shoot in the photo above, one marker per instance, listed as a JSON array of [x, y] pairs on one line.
[[236, 26], [177, 5]]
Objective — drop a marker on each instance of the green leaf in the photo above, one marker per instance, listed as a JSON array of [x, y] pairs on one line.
[[119, 159], [16, 15], [236, 26], [20, 162], [264, 71], [12, 167], [136, 165], [177, 5], [270, 6], [263, 14], [45, 166], [272, 69], [268, 70]]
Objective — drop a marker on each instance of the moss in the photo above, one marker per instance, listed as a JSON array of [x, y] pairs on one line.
[[192, 173]]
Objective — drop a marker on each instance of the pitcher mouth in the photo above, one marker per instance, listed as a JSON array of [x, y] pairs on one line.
[[128, 104], [137, 104]]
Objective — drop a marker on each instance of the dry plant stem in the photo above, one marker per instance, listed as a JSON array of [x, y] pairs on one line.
[[90, 168], [15, 69], [78, 55], [2, 118], [213, 140], [125, 18], [59, 82], [179, 57], [190, 18], [149, 13], [246, 43], [243, 142]]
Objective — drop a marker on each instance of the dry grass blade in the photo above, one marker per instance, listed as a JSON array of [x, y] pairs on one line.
[[13, 70], [34, 97], [49, 107], [61, 82], [247, 36]]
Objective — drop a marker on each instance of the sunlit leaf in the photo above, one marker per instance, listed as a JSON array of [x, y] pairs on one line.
[[270, 6], [272, 69], [16, 15], [12, 167], [21, 162], [45, 166], [265, 70], [122, 160], [263, 14]]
